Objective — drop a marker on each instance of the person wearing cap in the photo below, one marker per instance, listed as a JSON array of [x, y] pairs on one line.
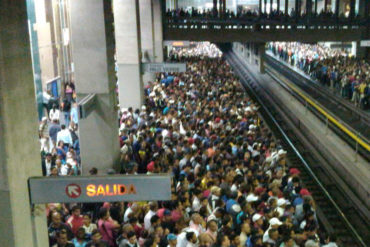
[[270, 237], [281, 204], [172, 240], [257, 220]]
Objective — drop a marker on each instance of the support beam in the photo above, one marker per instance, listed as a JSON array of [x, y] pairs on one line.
[[316, 7], [352, 5], [260, 7], [147, 36], [337, 8], [278, 6], [215, 7], [286, 7], [308, 7], [99, 131], [265, 7], [19, 147], [296, 8], [158, 31], [127, 31], [326, 5], [271, 3]]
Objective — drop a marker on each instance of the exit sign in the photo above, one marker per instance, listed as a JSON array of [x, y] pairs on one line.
[[100, 188]]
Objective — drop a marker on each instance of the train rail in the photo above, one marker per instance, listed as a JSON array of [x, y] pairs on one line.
[[346, 120], [336, 214]]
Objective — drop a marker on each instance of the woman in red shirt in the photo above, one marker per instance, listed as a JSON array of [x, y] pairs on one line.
[[106, 226]]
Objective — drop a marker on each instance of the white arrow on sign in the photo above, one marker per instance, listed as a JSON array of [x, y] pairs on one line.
[[73, 190]]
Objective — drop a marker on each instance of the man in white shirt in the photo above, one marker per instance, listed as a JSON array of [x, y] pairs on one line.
[[153, 207], [64, 135]]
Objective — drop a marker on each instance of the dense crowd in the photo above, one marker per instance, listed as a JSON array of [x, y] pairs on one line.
[[275, 15], [348, 75], [58, 132], [231, 182]]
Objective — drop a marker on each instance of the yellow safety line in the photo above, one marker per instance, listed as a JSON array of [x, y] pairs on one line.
[[329, 117]]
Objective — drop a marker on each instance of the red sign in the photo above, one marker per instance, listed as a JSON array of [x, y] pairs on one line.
[[73, 190]]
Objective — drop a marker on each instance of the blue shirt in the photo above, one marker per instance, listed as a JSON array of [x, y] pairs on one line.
[[78, 244], [229, 204]]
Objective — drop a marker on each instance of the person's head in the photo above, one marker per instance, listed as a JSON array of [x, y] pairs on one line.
[[172, 239], [155, 220], [95, 236], [126, 228], [48, 157], [153, 206], [86, 219], [56, 219], [311, 243], [131, 237], [158, 230], [80, 234], [273, 234], [212, 225], [288, 241], [103, 213], [62, 238], [223, 240], [62, 126], [76, 211], [235, 240], [191, 237], [196, 218], [246, 228], [93, 171], [54, 171]]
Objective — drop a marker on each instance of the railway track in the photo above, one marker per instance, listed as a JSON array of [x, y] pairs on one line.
[[356, 120], [336, 214]]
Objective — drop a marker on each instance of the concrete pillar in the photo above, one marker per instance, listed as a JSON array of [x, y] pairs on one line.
[[99, 131], [147, 36], [260, 57], [158, 31], [19, 146], [127, 31], [251, 52]]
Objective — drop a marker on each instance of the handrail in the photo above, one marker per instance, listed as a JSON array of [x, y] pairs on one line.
[[363, 142], [306, 165]]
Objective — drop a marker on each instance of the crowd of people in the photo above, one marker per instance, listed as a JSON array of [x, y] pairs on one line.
[[58, 133], [254, 15], [334, 68], [231, 185]]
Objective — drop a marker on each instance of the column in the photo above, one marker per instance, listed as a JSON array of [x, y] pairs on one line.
[[261, 57], [127, 31], [260, 7], [336, 8], [286, 7], [147, 36], [19, 146], [215, 7], [278, 6], [99, 131], [158, 31], [271, 8], [352, 10], [326, 5], [296, 8], [265, 7], [308, 7]]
